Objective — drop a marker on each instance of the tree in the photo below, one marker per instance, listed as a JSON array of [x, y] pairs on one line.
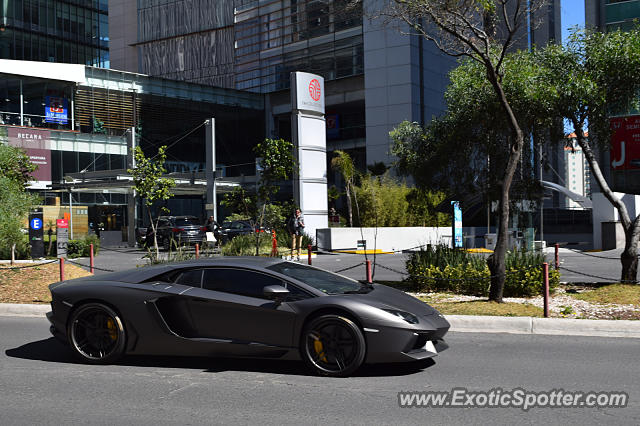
[[469, 28], [590, 77], [15, 165], [149, 184], [277, 164], [343, 163], [15, 201]]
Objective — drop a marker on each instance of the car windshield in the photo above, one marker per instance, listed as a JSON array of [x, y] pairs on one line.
[[186, 221], [327, 282]]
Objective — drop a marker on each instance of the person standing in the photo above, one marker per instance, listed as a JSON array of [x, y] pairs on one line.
[[296, 229]]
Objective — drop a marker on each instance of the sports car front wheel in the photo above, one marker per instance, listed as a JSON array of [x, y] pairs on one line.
[[96, 334], [333, 345]]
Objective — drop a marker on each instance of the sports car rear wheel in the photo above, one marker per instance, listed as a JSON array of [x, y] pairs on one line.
[[96, 334], [333, 345]]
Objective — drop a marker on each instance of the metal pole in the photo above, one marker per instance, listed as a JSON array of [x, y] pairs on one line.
[[91, 258], [131, 196], [210, 147], [309, 253], [73, 117], [557, 246], [21, 105], [369, 279], [62, 269], [545, 272], [541, 201], [70, 214], [197, 251]]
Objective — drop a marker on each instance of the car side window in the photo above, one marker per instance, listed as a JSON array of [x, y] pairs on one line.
[[295, 293], [190, 277], [238, 281]]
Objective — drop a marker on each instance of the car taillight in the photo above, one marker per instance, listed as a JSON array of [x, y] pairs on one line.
[[177, 229], [203, 228]]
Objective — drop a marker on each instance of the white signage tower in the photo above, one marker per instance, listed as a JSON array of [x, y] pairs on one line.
[[310, 143]]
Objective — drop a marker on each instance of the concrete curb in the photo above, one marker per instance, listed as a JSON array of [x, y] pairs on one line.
[[460, 323], [547, 326], [23, 310]]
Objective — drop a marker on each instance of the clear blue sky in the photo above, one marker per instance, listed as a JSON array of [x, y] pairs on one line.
[[572, 12]]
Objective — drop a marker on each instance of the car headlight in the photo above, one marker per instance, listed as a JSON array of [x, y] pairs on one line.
[[410, 318]]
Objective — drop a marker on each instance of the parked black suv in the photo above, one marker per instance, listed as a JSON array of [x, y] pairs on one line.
[[179, 229], [230, 229]]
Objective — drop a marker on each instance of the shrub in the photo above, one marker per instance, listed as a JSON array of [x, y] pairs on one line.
[[81, 248], [444, 269], [23, 249], [245, 245]]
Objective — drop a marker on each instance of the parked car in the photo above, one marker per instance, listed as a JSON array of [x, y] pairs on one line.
[[230, 229], [177, 230]]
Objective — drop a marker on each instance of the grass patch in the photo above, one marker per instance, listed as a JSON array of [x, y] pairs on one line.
[[484, 307], [31, 285], [620, 294]]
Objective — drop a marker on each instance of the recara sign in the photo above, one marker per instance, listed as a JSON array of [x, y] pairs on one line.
[[309, 90]]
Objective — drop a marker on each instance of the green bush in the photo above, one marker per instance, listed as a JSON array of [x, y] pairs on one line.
[[444, 269], [285, 240], [81, 248], [23, 249], [245, 245]]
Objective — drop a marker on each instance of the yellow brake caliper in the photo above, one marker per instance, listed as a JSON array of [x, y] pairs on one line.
[[319, 348], [111, 326]]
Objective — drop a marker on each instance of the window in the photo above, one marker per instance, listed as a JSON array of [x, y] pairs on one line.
[[192, 277], [324, 281], [295, 293], [238, 281]]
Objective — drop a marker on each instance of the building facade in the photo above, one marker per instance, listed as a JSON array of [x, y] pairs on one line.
[[73, 122], [71, 31]]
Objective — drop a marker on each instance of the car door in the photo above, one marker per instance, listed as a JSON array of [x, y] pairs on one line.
[[230, 306]]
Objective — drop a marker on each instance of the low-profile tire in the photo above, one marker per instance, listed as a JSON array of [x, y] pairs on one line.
[[333, 345], [96, 334]]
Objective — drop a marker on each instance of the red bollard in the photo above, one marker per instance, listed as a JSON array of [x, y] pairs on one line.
[[91, 258], [369, 279], [557, 256], [62, 269], [197, 251], [309, 253], [545, 273]]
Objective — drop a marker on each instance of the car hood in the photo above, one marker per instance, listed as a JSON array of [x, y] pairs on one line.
[[386, 297]]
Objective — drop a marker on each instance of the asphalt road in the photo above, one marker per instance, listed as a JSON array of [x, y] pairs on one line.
[[575, 266], [42, 384]]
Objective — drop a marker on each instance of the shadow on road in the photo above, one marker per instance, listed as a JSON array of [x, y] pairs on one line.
[[52, 350]]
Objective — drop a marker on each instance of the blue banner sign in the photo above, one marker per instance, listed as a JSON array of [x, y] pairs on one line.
[[457, 240], [56, 110]]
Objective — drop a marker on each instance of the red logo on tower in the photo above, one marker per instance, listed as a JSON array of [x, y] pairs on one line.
[[314, 89]]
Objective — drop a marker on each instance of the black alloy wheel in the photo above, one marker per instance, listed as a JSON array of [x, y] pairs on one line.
[[333, 345], [96, 334]]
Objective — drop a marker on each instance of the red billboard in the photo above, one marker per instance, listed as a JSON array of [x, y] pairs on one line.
[[625, 143]]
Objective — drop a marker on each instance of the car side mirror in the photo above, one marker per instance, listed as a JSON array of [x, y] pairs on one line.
[[277, 293]]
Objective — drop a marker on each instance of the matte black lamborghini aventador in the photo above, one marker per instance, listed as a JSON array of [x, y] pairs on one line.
[[256, 307]]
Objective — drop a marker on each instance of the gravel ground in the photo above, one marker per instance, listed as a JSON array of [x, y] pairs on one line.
[[561, 304]]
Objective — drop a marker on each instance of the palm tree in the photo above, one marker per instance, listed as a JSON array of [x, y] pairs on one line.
[[343, 163]]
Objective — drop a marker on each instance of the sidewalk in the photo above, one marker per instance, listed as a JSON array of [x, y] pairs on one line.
[[461, 323]]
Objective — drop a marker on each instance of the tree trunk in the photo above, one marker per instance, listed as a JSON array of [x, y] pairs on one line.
[[496, 261], [13, 253], [629, 261], [629, 257], [155, 235], [349, 206]]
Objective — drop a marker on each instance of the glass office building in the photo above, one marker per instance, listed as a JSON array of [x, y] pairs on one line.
[[71, 31], [72, 121]]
